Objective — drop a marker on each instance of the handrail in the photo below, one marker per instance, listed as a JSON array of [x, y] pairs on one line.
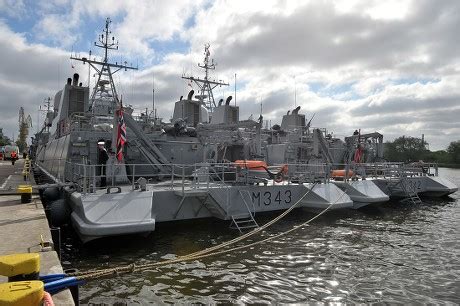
[[208, 175]]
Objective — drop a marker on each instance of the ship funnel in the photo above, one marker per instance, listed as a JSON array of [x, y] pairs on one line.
[[69, 81], [227, 102], [190, 94], [75, 79], [220, 102], [296, 110]]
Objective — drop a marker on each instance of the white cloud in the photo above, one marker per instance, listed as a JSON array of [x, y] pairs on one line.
[[13, 8], [390, 66]]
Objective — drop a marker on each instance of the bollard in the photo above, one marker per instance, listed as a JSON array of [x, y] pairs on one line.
[[26, 193], [22, 293], [18, 267]]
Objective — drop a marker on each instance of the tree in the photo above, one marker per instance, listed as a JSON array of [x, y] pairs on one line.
[[3, 139], [440, 156], [454, 152], [406, 149]]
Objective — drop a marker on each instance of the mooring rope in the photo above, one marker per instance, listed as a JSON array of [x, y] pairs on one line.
[[93, 274]]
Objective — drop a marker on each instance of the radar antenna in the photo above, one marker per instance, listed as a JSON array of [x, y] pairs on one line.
[[105, 87], [206, 86]]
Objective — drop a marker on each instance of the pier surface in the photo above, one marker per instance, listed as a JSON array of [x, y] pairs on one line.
[[23, 226]]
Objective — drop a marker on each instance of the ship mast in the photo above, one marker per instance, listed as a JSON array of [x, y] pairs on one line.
[[105, 86], [206, 86]]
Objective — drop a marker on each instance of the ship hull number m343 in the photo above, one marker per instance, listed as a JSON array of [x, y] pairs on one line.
[[268, 198]]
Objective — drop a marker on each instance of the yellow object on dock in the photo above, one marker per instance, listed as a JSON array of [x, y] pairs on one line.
[[24, 189], [21, 293], [19, 264], [26, 169], [26, 193]]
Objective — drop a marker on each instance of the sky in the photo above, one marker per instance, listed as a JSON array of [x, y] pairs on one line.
[[389, 66]]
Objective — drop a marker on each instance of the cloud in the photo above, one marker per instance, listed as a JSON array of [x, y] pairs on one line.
[[29, 73], [139, 23], [388, 66], [12, 8]]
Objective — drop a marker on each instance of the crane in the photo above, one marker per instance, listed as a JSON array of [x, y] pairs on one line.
[[24, 124]]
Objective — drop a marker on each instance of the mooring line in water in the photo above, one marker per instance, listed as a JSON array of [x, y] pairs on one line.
[[235, 240], [133, 267], [254, 231]]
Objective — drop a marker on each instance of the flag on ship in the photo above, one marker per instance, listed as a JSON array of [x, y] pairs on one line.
[[121, 134]]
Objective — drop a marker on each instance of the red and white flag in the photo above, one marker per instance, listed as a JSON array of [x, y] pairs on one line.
[[121, 133]]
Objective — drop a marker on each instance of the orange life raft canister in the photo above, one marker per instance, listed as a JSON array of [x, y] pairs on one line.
[[251, 164], [341, 173]]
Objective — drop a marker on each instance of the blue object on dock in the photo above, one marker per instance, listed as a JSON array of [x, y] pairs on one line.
[[51, 277], [61, 284]]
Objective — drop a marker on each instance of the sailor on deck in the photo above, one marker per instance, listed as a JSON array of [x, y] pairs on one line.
[[102, 158]]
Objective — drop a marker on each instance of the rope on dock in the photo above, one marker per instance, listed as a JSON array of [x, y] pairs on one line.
[[212, 251]]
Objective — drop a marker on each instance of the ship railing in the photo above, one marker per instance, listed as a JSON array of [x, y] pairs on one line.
[[88, 122], [142, 118], [391, 169], [307, 173], [181, 177], [79, 122], [88, 178]]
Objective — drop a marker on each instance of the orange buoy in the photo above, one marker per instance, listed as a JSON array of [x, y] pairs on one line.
[[251, 164], [341, 173]]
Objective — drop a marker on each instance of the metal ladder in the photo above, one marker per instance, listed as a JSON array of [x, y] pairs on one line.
[[244, 221], [409, 193]]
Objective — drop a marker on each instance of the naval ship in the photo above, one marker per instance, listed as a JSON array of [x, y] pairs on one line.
[[205, 162], [201, 164], [357, 164]]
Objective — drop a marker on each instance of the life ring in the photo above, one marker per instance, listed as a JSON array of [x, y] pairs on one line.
[[279, 177], [284, 170]]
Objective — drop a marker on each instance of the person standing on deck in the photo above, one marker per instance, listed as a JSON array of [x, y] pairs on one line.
[[102, 158]]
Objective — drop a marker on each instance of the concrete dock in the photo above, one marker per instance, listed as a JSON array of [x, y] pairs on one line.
[[23, 226]]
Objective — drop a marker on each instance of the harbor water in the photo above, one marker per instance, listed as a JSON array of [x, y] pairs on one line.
[[392, 253]]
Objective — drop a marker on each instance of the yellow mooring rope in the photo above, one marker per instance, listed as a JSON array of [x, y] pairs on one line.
[[212, 251]]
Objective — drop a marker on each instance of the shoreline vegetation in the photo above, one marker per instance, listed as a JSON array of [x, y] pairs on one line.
[[411, 149], [453, 166]]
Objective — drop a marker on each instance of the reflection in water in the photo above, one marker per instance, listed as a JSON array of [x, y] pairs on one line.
[[394, 253]]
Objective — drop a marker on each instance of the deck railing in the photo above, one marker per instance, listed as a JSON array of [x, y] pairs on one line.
[[88, 178]]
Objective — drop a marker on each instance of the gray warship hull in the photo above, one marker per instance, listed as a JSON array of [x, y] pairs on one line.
[[363, 192], [122, 210]]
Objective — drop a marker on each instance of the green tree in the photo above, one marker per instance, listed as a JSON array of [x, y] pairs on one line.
[[441, 157], [406, 149], [454, 152], [3, 139]]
